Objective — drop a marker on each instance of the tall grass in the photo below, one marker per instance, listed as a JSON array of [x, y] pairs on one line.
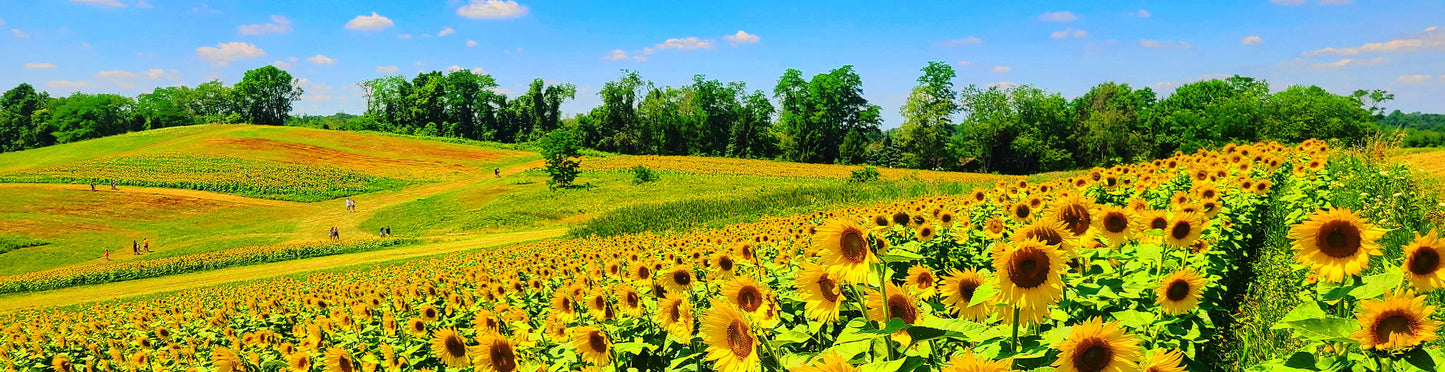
[[10, 242]]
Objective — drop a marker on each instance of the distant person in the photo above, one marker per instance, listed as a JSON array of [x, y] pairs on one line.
[[497, 172], [350, 205], [112, 184], [92, 185], [107, 255], [146, 245], [388, 231], [381, 233], [135, 247]]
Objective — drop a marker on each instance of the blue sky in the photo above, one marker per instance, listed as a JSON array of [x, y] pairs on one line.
[[132, 46]]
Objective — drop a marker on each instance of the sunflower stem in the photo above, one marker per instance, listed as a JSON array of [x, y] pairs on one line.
[[883, 290], [1014, 347]]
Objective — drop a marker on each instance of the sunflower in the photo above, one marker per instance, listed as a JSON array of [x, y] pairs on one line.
[[495, 354], [593, 344], [1165, 361], [822, 297], [1155, 220], [746, 294], [958, 288], [1183, 229], [597, 305], [1028, 274], [1115, 225], [62, 363], [450, 348], [1422, 262], [298, 362], [921, 282], [1399, 320], [968, 362], [485, 321], [1095, 346], [678, 279], [674, 313], [1075, 213], [844, 249], [1336, 244], [828, 362], [338, 360], [429, 313], [726, 266], [1021, 212], [629, 300], [562, 305], [1179, 292], [925, 233], [897, 304], [1050, 233], [728, 334], [994, 227], [416, 327]]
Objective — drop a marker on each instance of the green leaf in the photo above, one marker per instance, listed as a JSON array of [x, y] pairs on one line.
[[1328, 329], [983, 293], [1375, 285], [1134, 318], [894, 325], [900, 365], [1302, 360], [632, 347], [1304, 311], [1420, 359], [899, 255]]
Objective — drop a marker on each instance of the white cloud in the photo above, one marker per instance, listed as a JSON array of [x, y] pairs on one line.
[[122, 79], [313, 91], [67, 84], [1412, 79], [1346, 62], [1069, 32], [19, 34], [1336, 2], [971, 40], [478, 71], [1251, 40], [1431, 42], [964, 63], [143, 4], [471, 43], [492, 9], [639, 58], [616, 55], [372, 22], [156, 74], [1002, 85], [1427, 29], [1164, 85], [41, 65], [648, 51], [1002, 69], [1288, 2], [320, 60], [387, 69], [85, 45], [1149, 43], [1144, 14], [105, 3], [446, 31], [204, 8], [403, 36], [278, 25], [2, 23], [225, 53], [741, 38], [282, 65], [1063, 16], [687, 43]]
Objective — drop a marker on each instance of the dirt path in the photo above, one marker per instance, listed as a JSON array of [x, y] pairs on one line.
[[139, 287], [187, 193]]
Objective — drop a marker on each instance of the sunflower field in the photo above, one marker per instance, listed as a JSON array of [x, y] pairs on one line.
[[718, 166], [223, 174], [1150, 267], [128, 270]]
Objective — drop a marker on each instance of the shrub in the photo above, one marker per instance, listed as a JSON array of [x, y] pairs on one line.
[[868, 173], [642, 174]]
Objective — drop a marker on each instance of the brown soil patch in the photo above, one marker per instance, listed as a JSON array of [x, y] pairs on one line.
[[410, 166]]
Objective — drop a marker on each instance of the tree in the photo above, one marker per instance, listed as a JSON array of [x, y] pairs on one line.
[[559, 147], [1108, 124], [928, 118], [265, 95], [618, 126], [817, 116], [750, 135], [17, 106], [85, 116], [163, 107]]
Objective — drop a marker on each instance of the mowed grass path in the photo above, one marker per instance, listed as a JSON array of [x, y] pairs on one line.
[[142, 287]]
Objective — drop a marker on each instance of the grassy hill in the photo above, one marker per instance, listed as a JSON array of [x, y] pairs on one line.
[[195, 190]]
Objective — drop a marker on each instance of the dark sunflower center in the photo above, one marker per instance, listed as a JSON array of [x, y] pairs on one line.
[[1207, 194], [749, 298], [674, 312], [1178, 290], [829, 288], [1076, 219], [1338, 239], [1028, 268], [926, 232], [880, 220], [597, 342], [725, 263], [429, 312], [925, 280], [899, 307], [1046, 235], [455, 347], [345, 363], [504, 359], [1158, 223], [643, 272], [599, 302], [900, 218], [1093, 355], [854, 248], [417, 327], [945, 218], [1115, 222], [1181, 230], [681, 277], [1424, 261], [739, 341], [632, 299], [1393, 323], [966, 289], [1021, 211]]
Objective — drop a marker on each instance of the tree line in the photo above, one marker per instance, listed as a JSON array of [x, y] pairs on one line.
[[31, 119], [823, 118]]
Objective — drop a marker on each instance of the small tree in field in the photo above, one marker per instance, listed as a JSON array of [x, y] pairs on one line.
[[559, 147]]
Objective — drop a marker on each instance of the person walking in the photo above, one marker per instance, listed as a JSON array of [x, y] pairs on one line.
[[497, 172], [134, 247], [146, 245], [92, 185], [112, 184], [107, 255]]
